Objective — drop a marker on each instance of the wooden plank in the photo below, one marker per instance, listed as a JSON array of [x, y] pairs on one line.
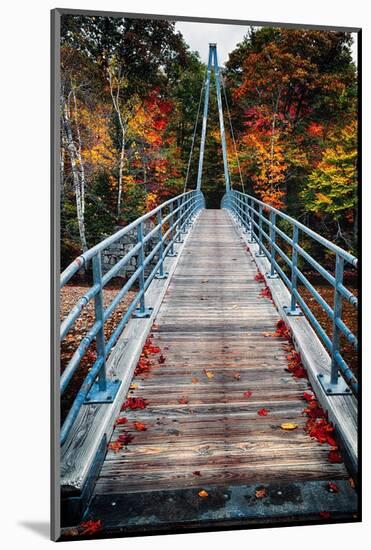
[[342, 410], [95, 422], [216, 429]]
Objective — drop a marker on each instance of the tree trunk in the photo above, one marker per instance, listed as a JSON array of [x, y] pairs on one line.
[[77, 176], [116, 105]]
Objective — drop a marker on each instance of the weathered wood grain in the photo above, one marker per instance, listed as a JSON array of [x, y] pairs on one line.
[[342, 410], [95, 422], [213, 318]]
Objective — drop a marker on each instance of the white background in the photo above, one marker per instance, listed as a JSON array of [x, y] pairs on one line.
[[24, 256]]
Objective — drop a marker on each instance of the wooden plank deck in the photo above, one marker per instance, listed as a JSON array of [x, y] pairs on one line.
[[212, 321]]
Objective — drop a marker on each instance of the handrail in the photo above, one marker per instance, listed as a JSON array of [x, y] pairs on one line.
[[174, 217], [260, 221]]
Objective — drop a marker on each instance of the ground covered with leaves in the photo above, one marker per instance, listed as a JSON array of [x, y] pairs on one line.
[[70, 294], [349, 317]]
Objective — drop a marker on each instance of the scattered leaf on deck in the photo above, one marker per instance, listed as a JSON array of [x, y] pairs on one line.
[[183, 400], [288, 426], [261, 493], [332, 487], [140, 427], [91, 527], [196, 473], [209, 374], [203, 493], [335, 457], [121, 420], [237, 376], [263, 412], [115, 446], [133, 386], [247, 394], [125, 438], [195, 380]]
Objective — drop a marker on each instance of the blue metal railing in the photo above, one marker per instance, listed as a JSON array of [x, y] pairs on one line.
[[261, 222], [174, 217]]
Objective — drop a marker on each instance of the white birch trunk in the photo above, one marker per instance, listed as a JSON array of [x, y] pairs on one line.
[[116, 106], [76, 173]]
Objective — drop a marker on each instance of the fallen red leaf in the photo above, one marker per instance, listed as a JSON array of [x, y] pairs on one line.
[[183, 400], [259, 277], [282, 330], [263, 412], [196, 473], [334, 457], [121, 420], [247, 394], [332, 487], [261, 493], [91, 527], [266, 293], [134, 403], [162, 359], [308, 396], [125, 438]]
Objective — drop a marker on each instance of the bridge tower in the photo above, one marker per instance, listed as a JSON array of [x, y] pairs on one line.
[[213, 65]]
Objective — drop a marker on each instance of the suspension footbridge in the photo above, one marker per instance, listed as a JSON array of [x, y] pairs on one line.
[[192, 414]]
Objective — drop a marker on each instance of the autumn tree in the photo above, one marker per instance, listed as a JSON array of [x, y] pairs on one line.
[[290, 89], [332, 186]]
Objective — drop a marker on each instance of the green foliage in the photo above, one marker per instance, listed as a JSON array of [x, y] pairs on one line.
[[332, 186]]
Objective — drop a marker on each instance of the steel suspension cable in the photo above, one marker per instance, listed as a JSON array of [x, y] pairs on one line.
[[194, 133], [232, 133]]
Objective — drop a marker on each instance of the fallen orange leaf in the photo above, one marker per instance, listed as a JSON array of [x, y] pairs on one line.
[[261, 493], [203, 493], [209, 374], [115, 446], [140, 427]]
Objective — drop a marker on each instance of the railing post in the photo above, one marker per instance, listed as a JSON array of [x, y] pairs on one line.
[[160, 274], [272, 238], [338, 307], [99, 316], [182, 221], [252, 219], [142, 311], [260, 253], [293, 310], [332, 383], [172, 252], [245, 214], [102, 390], [178, 229]]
